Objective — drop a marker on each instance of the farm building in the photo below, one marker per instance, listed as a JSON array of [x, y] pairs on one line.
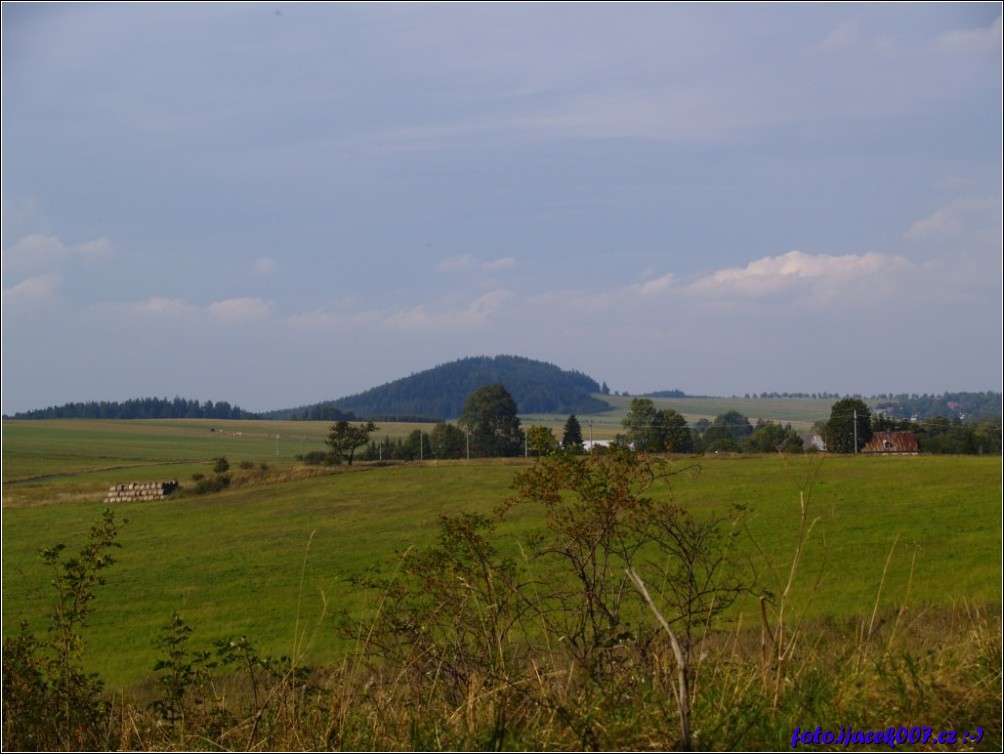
[[892, 442]]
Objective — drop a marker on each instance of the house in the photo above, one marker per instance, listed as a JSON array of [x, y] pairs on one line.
[[892, 442]]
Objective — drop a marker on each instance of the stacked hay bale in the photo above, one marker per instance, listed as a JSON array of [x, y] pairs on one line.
[[140, 491]]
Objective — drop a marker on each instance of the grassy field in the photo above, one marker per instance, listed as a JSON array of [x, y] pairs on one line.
[[277, 549]]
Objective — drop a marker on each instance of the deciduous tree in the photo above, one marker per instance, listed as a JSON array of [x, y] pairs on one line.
[[344, 438], [656, 431], [769, 437], [490, 417], [541, 441], [850, 420], [447, 441]]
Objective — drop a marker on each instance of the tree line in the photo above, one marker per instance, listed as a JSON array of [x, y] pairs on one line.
[[140, 408], [652, 430], [966, 407], [852, 424], [490, 428]]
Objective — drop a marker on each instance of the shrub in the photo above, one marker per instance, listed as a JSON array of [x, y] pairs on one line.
[[562, 632], [315, 458], [49, 700], [212, 484]]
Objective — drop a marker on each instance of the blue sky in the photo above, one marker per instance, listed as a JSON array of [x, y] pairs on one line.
[[277, 204]]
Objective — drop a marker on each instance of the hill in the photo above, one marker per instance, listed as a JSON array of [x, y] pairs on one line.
[[440, 392]]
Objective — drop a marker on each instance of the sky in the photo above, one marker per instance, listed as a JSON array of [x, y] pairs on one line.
[[276, 204]]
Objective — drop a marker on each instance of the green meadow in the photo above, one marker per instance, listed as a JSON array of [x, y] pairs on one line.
[[272, 556]]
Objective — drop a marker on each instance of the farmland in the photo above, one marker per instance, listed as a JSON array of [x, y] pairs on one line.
[[940, 516], [272, 556]]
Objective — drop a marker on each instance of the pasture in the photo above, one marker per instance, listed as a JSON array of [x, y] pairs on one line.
[[272, 556]]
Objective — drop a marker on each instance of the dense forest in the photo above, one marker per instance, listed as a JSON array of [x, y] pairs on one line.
[[439, 393], [315, 412], [139, 408]]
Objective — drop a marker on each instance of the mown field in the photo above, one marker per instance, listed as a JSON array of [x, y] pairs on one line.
[[273, 554]]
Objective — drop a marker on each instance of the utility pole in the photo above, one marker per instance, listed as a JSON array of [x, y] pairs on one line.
[[855, 431]]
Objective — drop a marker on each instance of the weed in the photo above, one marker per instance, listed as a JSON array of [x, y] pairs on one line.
[[184, 672]]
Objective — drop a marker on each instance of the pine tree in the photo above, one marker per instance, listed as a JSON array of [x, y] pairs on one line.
[[572, 438]]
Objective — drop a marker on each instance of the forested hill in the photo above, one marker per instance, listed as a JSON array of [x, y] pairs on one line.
[[439, 393]]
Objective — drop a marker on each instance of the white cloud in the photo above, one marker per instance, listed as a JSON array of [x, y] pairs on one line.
[[233, 310], [240, 309], [964, 216], [169, 307], [772, 274], [655, 286], [973, 41], [469, 262], [475, 314], [48, 252], [34, 288]]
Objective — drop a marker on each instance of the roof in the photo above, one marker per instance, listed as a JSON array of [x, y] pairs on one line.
[[892, 442]]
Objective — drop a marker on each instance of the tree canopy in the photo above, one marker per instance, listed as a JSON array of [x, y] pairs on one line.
[[448, 441], [656, 431], [344, 438], [490, 418], [727, 432], [850, 421]]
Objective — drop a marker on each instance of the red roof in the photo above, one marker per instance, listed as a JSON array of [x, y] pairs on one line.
[[892, 442]]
